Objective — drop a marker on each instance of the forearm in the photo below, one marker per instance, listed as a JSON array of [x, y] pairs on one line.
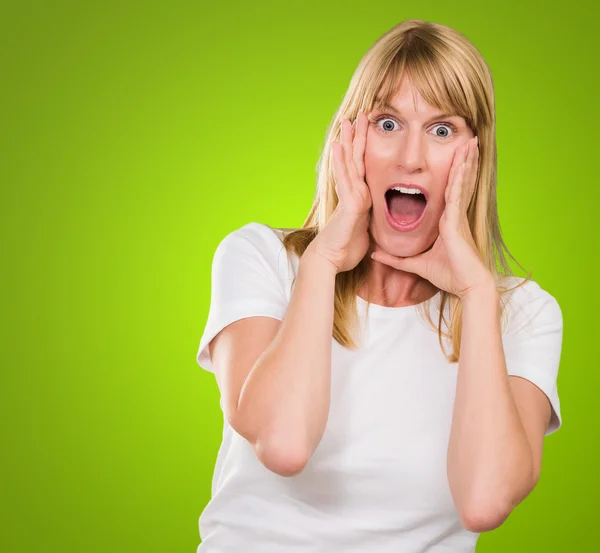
[[489, 458], [284, 403]]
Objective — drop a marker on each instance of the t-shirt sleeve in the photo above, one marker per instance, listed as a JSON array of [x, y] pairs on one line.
[[533, 343], [247, 280]]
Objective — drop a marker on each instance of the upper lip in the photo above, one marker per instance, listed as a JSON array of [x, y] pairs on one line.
[[410, 185]]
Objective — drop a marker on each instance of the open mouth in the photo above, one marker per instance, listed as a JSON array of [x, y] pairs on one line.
[[405, 208]]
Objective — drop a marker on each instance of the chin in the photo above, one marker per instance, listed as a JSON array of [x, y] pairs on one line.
[[406, 248], [398, 243]]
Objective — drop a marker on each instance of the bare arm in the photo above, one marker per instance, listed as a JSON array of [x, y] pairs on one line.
[[284, 403], [275, 376], [283, 371], [490, 464]]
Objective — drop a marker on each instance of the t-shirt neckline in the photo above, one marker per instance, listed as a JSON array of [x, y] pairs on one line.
[[386, 311]]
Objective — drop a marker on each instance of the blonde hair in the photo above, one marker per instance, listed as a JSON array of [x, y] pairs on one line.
[[451, 75]]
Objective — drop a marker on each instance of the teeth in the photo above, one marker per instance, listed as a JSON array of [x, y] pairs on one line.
[[407, 190]]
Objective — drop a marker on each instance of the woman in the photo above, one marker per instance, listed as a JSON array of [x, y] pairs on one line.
[[352, 421]]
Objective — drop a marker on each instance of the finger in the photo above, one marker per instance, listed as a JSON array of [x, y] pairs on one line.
[[453, 205], [467, 184], [339, 169], [459, 156], [353, 179], [347, 144], [472, 182], [351, 167], [387, 259], [360, 140], [413, 264]]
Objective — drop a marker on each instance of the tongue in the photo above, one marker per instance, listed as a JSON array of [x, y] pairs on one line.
[[405, 208]]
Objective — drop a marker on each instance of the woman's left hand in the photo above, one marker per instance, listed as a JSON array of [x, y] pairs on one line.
[[453, 263]]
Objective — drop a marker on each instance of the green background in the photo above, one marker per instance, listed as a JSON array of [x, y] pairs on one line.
[[135, 136]]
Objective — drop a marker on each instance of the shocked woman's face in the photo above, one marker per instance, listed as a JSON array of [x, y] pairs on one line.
[[409, 147]]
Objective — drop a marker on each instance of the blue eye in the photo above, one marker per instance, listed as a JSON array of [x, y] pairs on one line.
[[452, 128], [388, 118], [382, 118]]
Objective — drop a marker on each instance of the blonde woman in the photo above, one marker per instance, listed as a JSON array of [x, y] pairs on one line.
[[386, 381]]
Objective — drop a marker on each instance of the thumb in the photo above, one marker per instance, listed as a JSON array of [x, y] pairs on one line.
[[413, 264]]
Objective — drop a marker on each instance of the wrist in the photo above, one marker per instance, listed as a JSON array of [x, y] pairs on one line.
[[317, 262], [485, 291]]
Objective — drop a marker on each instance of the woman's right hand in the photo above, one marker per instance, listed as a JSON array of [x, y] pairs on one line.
[[344, 240]]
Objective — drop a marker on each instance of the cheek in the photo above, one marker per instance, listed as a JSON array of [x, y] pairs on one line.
[[442, 168], [444, 162], [372, 159], [377, 156]]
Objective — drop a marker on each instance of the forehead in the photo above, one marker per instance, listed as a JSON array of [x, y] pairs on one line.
[[428, 114], [405, 100]]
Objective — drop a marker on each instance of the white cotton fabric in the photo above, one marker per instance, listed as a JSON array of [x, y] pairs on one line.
[[377, 481]]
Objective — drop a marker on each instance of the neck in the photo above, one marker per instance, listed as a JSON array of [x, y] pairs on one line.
[[391, 287]]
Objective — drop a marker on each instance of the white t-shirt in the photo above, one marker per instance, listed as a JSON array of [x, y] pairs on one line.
[[377, 481]]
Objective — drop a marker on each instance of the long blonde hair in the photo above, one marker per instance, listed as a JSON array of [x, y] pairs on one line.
[[451, 75]]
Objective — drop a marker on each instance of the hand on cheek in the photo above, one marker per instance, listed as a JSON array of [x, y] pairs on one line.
[[458, 156], [453, 263]]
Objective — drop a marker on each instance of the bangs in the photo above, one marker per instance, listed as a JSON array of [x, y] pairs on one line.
[[437, 81]]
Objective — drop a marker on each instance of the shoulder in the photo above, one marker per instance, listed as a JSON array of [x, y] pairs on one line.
[[529, 302], [256, 244], [526, 290], [253, 237], [257, 234]]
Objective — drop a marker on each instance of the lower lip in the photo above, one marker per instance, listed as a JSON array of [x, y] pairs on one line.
[[400, 227]]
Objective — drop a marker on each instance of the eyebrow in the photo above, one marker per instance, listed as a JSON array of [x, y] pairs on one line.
[[387, 107]]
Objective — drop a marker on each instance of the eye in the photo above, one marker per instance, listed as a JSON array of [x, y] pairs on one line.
[[450, 125], [393, 121], [384, 118]]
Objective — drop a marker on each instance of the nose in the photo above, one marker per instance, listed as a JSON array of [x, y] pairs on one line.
[[411, 154]]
